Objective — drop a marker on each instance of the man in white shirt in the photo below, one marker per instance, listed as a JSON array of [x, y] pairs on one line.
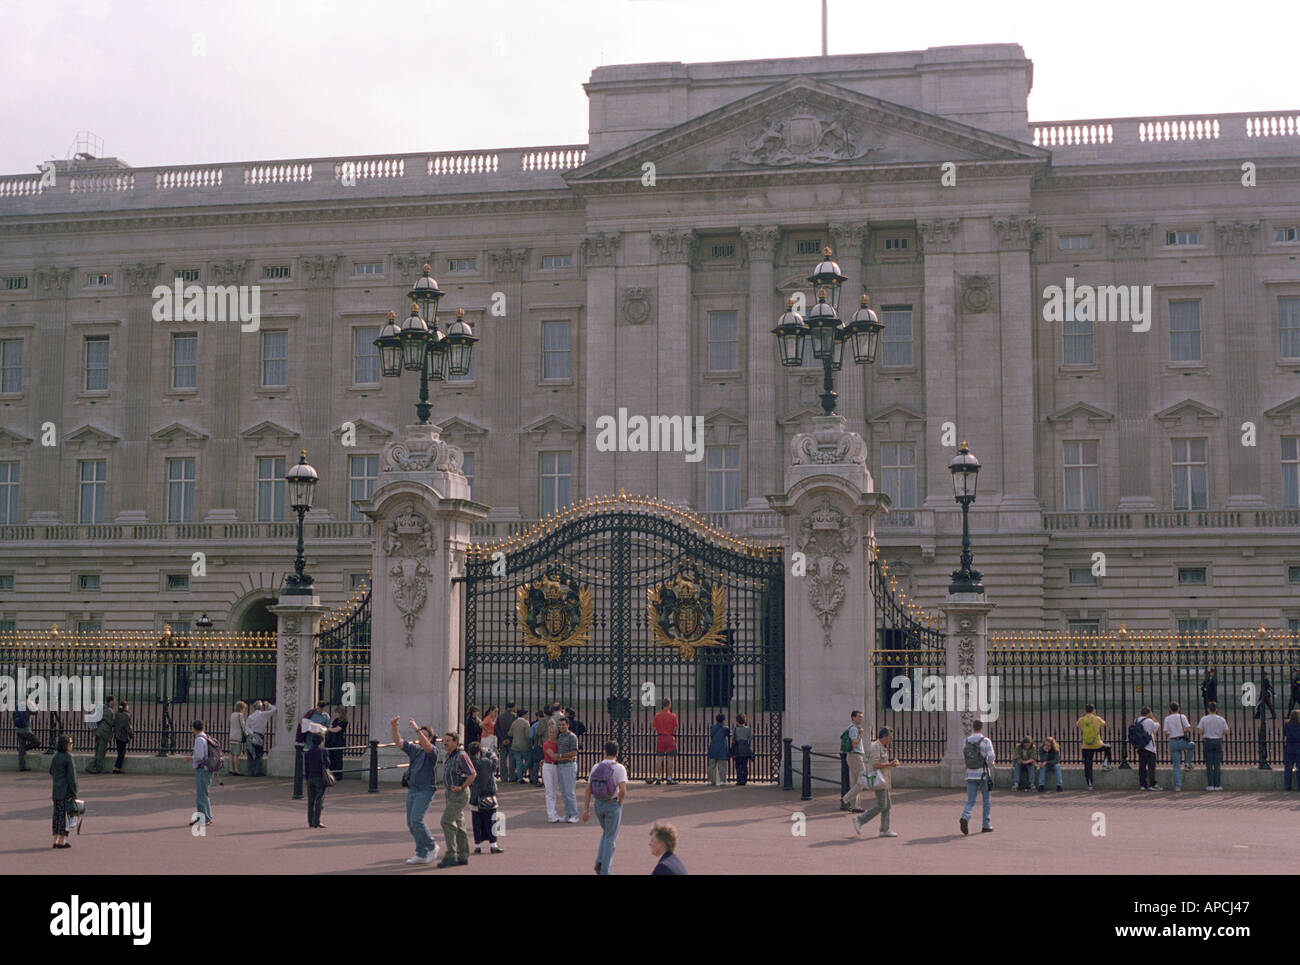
[[1212, 727], [607, 783], [977, 752], [1147, 752], [856, 758], [879, 766], [1179, 731], [202, 776]]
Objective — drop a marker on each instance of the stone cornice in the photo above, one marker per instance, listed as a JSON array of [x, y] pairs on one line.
[[1117, 176]]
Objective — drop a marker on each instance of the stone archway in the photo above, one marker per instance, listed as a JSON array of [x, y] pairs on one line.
[[252, 614]]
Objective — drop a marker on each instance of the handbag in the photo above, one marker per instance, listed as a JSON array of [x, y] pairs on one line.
[[330, 779], [75, 808]]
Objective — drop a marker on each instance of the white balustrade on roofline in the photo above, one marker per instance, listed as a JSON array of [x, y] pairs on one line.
[[1149, 130]]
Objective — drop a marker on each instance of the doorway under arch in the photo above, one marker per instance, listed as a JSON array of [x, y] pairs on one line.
[[252, 614]]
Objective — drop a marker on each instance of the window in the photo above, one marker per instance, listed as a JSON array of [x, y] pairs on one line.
[[1292, 575], [809, 246], [722, 478], [365, 356], [1192, 576], [1082, 487], [180, 490], [178, 581], [467, 467], [358, 580], [1286, 234], [1292, 625], [556, 261], [272, 272], [8, 626], [99, 279], [896, 339], [185, 360], [7, 582], [1182, 237], [1190, 627], [275, 358], [1291, 472], [1083, 628], [1074, 242], [363, 268], [724, 341], [94, 482], [1191, 489], [96, 363], [270, 489], [556, 478], [187, 275], [1288, 327], [555, 350], [722, 251], [1185, 330], [90, 626], [362, 473], [9, 493], [1077, 340], [1082, 576], [898, 473], [88, 582], [895, 244], [15, 283], [11, 365], [462, 264]]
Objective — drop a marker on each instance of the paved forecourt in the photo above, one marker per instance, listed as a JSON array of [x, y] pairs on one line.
[[137, 824]]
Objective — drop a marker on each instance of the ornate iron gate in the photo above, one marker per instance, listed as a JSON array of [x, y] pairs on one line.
[[618, 602]]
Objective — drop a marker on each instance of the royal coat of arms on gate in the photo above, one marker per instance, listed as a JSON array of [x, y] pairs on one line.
[[555, 612], [687, 612]]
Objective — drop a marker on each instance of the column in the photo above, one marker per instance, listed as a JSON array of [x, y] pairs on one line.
[[316, 345], [1237, 249], [503, 406], [966, 641], [221, 342], [1014, 401], [1133, 374], [763, 463], [48, 349], [132, 465], [938, 244], [599, 254], [669, 473]]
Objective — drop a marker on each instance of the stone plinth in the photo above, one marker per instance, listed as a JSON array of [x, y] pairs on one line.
[[295, 674], [966, 641]]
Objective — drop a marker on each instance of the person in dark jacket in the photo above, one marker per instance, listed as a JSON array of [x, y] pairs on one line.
[[1295, 691], [473, 726], [335, 739], [1209, 690], [663, 844], [103, 734], [1291, 749], [64, 773], [719, 733], [483, 801], [27, 741], [122, 734], [742, 749], [314, 763], [504, 722], [1266, 695]]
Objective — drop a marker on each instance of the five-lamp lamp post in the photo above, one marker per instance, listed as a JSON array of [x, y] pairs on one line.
[[965, 469], [828, 332], [302, 481]]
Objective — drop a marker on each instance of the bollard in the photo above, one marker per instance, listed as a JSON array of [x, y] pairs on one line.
[[374, 767], [787, 765], [297, 772], [844, 775], [806, 794]]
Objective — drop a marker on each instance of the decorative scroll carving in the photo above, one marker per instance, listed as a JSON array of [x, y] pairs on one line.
[[687, 612], [939, 234], [141, 278], [321, 269], [849, 239], [1236, 238], [825, 538], [408, 544], [1130, 236], [966, 666], [828, 443], [411, 264], [53, 281], [976, 293], [760, 242], [638, 305], [1017, 232], [676, 246], [289, 655], [419, 454], [508, 261], [804, 134], [228, 272], [600, 249]]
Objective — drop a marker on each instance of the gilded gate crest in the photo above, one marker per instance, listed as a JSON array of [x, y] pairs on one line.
[[686, 612], [554, 612]]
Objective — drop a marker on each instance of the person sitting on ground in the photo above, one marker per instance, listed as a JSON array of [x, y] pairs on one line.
[[1026, 762], [1049, 758]]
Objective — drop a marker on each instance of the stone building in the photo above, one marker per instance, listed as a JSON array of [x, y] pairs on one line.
[[644, 272]]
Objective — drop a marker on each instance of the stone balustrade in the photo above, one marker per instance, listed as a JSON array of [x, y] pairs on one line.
[[1171, 137]]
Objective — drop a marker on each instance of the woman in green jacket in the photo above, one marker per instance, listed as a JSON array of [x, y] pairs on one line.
[[64, 772]]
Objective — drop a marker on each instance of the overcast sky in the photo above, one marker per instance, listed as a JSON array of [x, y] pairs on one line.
[[182, 82]]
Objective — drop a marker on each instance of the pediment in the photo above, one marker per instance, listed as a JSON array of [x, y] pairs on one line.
[[800, 418], [566, 428], [90, 437], [803, 124], [12, 439], [456, 427], [178, 433], [1286, 414], [893, 412], [269, 433], [723, 416], [1096, 417], [1188, 411], [372, 431]]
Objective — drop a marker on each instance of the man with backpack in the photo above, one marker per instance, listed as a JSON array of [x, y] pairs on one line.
[[1142, 735], [852, 746], [207, 761], [607, 783], [977, 755]]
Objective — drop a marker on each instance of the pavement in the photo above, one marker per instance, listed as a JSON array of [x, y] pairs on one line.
[[138, 824]]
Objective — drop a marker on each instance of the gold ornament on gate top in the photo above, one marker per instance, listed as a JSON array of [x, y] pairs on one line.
[[554, 612], [687, 613]]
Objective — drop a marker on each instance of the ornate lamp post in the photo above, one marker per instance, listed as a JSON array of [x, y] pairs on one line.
[[965, 469], [418, 346], [302, 481], [827, 331]]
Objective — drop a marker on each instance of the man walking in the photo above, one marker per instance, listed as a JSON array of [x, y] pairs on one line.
[[856, 757], [521, 747], [1212, 727], [665, 725], [122, 734], [607, 783], [1090, 726], [566, 769], [878, 768], [103, 735], [458, 774], [27, 741], [977, 755], [1147, 750], [202, 775], [419, 788]]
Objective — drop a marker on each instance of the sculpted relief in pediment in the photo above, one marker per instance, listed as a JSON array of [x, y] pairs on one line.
[[804, 135]]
